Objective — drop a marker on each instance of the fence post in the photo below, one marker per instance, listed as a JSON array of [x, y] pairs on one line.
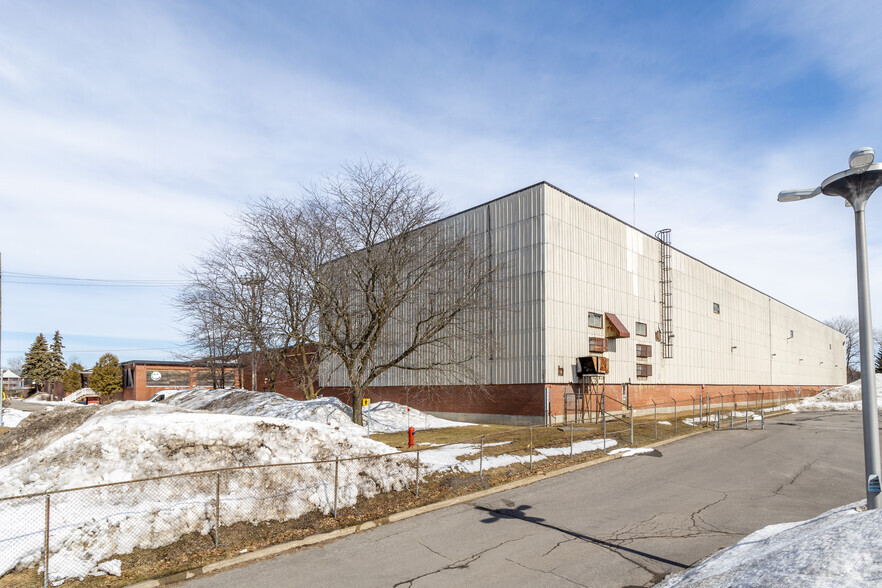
[[217, 509], [481, 472], [693, 409], [655, 417], [418, 472], [732, 419], [336, 482], [675, 415], [531, 449], [763, 416], [571, 441], [46, 547], [603, 417], [747, 416], [631, 410]]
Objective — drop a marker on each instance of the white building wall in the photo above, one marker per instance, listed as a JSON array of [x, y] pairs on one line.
[[513, 229], [596, 263], [561, 259]]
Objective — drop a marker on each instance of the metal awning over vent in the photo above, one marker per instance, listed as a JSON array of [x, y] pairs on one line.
[[615, 328]]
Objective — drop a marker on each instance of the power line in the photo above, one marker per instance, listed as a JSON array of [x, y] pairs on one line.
[[48, 280]]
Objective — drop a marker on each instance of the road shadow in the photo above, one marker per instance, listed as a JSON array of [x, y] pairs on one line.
[[518, 513]]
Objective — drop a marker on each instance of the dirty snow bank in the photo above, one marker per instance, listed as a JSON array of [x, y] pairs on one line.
[[129, 440], [384, 416], [12, 416], [838, 548], [846, 397], [445, 459]]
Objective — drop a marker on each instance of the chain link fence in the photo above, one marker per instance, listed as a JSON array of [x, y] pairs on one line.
[[155, 526]]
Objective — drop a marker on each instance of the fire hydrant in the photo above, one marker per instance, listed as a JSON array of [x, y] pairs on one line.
[[410, 437]]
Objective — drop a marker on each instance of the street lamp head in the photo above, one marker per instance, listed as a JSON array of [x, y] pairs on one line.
[[794, 195], [861, 159]]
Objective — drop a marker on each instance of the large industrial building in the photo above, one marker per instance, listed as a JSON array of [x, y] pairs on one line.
[[583, 292]]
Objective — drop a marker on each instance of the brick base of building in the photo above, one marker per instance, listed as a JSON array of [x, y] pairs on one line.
[[524, 404]]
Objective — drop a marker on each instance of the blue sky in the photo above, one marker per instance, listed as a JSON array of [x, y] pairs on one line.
[[131, 131]]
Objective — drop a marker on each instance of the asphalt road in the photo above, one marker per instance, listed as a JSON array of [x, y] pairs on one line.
[[627, 522]]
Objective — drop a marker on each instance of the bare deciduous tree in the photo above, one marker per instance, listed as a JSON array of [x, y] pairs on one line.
[[849, 327], [359, 274], [210, 332], [395, 288]]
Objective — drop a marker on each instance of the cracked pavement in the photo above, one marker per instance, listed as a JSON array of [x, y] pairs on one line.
[[628, 522]]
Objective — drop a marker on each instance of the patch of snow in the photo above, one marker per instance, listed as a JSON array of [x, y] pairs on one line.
[[667, 423], [12, 416], [837, 548], [384, 416], [578, 447], [445, 459], [631, 451], [842, 398]]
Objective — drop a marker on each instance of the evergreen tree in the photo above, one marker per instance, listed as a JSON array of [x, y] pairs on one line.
[[879, 360], [107, 376], [38, 362], [72, 381], [56, 359]]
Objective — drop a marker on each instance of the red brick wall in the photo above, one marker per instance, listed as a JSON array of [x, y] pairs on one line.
[[527, 399], [516, 399]]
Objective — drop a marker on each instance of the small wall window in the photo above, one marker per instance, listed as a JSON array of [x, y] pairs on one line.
[[644, 350], [595, 320], [644, 370], [716, 308], [597, 344], [640, 329]]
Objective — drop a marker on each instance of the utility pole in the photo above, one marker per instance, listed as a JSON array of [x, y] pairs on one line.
[[253, 281]]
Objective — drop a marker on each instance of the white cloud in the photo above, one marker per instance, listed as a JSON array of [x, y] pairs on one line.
[[132, 132]]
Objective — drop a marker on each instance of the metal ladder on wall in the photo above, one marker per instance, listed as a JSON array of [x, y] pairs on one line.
[[664, 278]]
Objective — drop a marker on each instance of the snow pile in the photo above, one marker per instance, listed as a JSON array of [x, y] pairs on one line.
[[71, 446], [129, 440], [838, 548], [846, 397], [388, 417], [12, 416], [384, 417], [327, 411]]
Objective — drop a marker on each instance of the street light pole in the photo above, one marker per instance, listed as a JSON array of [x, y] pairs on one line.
[[856, 185], [636, 175], [868, 375]]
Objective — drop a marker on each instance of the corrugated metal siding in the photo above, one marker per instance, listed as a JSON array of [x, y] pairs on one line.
[[563, 259], [514, 226], [599, 264]]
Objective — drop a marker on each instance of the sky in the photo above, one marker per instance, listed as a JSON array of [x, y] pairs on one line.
[[132, 132]]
